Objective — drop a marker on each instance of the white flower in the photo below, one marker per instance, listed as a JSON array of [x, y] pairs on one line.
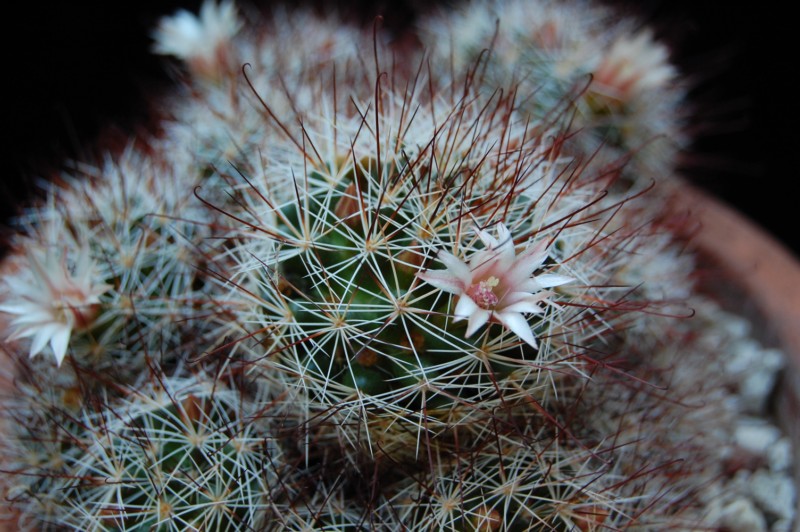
[[50, 298], [200, 41], [496, 285]]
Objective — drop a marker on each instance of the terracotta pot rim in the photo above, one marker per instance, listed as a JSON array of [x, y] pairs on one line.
[[751, 261], [746, 257]]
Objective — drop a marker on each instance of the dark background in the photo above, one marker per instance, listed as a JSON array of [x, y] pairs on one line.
[[79, 76]]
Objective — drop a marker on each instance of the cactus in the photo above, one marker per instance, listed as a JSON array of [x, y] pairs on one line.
[[349, 291], [97, 247], [610, 76], [174, 453]]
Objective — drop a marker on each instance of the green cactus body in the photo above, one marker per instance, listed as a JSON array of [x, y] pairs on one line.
[[171, 458]]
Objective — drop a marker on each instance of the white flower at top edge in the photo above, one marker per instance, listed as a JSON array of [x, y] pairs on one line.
[[51, 298], [200, 41], [497, 285]]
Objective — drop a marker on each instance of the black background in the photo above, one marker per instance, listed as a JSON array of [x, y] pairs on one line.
[[79, 76]]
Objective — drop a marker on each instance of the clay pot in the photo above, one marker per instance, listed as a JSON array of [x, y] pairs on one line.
[[757, 276]]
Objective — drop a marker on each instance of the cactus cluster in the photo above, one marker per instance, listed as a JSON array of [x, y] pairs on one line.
[[354, 286]]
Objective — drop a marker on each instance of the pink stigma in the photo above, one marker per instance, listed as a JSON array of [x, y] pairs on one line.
[[482, 293]]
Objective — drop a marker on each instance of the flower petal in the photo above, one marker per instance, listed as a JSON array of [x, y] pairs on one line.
[[525, 306], [487, 262], [517, 324], [477, 320], [505, 250], [455, 266], [59, 343], [443, 280], [465, 308], [488, 240], [43, 335], [528, 285], [548, 280], [497, 258], [526, 263]]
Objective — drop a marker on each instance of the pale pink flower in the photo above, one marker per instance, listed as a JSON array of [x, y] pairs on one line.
[[51, 298], [203, 41], [497, 285]]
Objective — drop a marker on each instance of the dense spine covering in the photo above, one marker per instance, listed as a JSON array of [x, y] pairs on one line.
[[352, 287]]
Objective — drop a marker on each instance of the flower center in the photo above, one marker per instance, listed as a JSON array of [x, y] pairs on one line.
[[482, 293], [71, 307]]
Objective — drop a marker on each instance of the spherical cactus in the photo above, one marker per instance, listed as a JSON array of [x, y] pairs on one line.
[[110, 262], [175, 454], [612, 79], [398, 271]]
